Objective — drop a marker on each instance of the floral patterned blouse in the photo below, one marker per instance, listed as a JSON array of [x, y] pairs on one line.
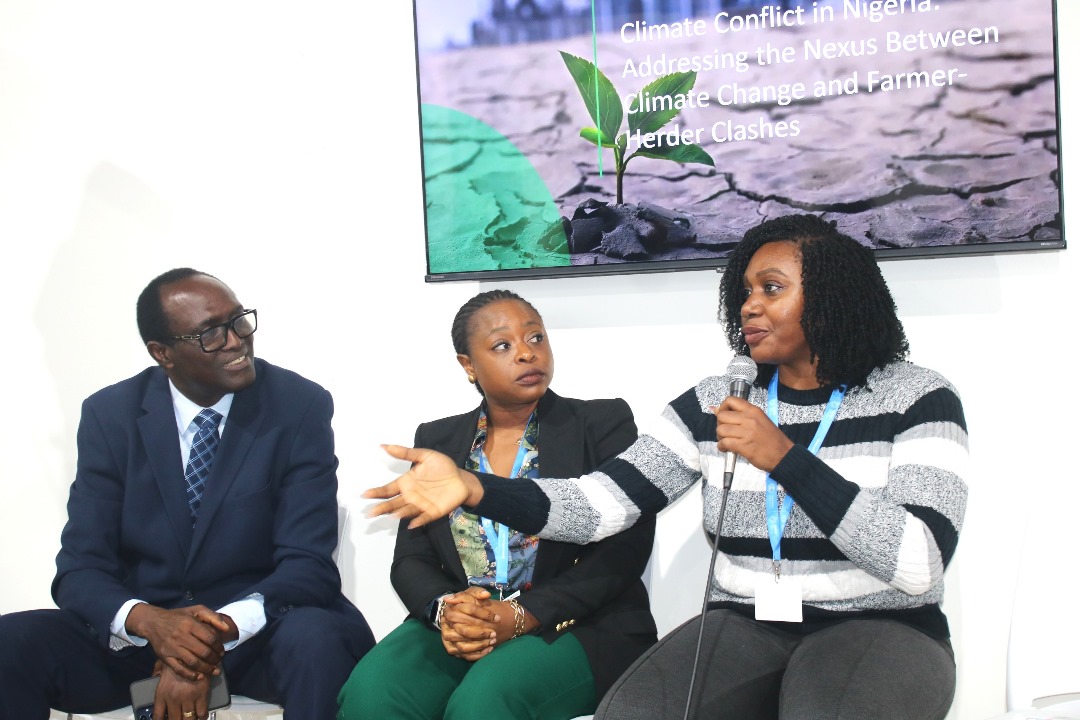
[[473, 544]]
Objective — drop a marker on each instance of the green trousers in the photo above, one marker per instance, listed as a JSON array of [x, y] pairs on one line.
[[409, 676]]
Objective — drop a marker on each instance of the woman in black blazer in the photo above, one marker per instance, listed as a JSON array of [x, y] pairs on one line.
[[500, 623]]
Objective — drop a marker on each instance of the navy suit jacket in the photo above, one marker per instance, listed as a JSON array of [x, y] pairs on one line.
[[268, 520], [593, 591]]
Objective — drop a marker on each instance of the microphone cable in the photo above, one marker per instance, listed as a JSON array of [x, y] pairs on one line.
[[742, 370]]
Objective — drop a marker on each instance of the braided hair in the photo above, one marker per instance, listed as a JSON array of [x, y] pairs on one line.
[[462, 325], [849, 316]]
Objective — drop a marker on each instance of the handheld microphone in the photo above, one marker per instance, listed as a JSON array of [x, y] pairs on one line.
[[742, 370]]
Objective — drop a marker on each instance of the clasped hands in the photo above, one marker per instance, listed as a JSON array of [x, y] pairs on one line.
[[190, 645], [473, 624]]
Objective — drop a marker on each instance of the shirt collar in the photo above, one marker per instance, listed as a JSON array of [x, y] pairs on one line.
[[186, 410]]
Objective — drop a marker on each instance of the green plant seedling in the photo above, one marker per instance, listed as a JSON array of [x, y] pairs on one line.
[[605, 108]]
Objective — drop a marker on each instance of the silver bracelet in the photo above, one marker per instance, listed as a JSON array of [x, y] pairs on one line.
[[440, 604]]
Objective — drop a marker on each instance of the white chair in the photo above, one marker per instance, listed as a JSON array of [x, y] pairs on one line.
[[1042, 677], [123, 713], [242, 708]]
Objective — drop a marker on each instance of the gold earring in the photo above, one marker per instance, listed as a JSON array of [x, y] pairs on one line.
[[472, 379]]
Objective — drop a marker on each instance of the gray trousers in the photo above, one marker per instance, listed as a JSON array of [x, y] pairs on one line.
[[856, 670]]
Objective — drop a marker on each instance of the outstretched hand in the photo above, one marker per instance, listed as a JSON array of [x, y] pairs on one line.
[[431, 489]]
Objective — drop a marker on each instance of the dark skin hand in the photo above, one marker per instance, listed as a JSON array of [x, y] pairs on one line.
[[746, 430], [474, 624], [434, 485], [430, 490], [468, 631], [176, 696], [189, 641]]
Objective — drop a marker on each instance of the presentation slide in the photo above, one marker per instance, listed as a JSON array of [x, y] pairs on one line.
[[577, 136]]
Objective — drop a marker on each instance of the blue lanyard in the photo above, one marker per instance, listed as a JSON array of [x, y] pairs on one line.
[[500, 541], [777, 518]]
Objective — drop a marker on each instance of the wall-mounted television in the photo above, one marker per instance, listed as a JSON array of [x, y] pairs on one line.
[[564, 137]]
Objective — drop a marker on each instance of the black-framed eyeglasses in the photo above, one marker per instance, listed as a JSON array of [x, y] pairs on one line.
[[214, 338]]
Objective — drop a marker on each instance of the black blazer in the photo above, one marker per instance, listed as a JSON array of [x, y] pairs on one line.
[[593, 591]]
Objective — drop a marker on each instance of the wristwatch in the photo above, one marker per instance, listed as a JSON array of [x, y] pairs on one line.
[[435, 611]]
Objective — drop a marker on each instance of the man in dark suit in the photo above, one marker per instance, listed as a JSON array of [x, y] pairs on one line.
[[187, 549]]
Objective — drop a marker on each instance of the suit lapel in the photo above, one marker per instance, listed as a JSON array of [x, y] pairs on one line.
[[561, 455], [161, 441], [561, 446], [459, 441], [245, 416], [456, 443]]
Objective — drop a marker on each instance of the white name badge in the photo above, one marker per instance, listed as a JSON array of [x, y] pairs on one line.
[[778, 598]]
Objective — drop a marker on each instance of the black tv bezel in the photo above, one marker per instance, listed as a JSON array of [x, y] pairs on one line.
[[717, 264]]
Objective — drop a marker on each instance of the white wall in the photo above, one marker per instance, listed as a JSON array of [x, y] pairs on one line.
[[275, 145]]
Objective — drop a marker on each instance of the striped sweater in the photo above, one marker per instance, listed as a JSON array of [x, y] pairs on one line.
[[877, 512]]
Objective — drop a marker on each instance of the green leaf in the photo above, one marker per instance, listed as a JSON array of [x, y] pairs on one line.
[[660, 94], [680, 152], [603, 102], [593, 136]]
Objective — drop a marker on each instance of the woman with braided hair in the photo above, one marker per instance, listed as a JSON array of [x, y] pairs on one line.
[[499, 621], [845, 508]]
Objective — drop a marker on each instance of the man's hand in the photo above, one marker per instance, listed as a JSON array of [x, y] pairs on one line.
[[223, 624], [190, 641], [180, 699], [431, 489]]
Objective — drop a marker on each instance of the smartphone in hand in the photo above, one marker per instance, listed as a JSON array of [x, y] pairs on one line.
[[143, 691]]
